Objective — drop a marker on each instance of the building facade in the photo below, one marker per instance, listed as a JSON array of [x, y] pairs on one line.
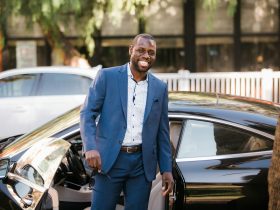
[[188, 37]]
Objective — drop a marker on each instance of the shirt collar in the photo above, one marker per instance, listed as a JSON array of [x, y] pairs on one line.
[[131, 76]]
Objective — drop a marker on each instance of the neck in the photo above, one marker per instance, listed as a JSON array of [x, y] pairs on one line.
[[138, 76]]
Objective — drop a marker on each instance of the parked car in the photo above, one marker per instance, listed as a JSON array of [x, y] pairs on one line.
[[222, 147], [30, 97]]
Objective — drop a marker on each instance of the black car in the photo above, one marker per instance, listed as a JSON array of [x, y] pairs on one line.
[[222, 147]]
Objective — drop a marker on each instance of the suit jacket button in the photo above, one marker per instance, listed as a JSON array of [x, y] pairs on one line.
[[120, 142]]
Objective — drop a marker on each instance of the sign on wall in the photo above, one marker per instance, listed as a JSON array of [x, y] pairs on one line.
[[26, 54]]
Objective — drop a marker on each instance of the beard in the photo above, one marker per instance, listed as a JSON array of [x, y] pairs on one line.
[[140, 68]]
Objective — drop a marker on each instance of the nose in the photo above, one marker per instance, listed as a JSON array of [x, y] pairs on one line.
[[146, 54]]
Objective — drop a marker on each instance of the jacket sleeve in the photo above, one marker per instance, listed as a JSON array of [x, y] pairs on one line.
[[91, 109], [163, 138]]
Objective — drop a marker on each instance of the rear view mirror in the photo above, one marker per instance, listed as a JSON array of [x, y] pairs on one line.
[[4, 165]]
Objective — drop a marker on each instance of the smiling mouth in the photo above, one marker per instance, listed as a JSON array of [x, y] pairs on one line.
[[143, 64]]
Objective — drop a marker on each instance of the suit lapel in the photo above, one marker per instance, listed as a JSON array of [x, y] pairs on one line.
[[123, 83], [150, 97]]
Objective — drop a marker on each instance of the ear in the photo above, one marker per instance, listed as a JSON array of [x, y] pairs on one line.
[[130, 49]]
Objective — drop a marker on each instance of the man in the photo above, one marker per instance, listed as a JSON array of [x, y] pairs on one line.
[[132, 133]]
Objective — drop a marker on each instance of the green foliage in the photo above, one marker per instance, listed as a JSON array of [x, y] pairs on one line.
[[112, 9], [89, 15], [212, 5], [231, 7], [6, 9], [53, 15]]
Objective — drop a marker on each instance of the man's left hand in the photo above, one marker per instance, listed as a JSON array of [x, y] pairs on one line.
[[167, 183]]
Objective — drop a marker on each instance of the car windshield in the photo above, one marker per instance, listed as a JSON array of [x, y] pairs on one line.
[[58, 124], [62, 84], [42, 84]]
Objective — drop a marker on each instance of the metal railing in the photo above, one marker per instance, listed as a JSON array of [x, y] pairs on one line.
[[264, 84]]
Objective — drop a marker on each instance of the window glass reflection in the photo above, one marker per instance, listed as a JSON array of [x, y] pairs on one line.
[[32, 175], [18, 85], [259, 52], [4, 164], [214, 54], [202, 139], [22, 190], [63, 84]]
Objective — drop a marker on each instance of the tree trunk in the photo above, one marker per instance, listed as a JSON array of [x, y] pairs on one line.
[[96, 58], [1, 60], [1, 51], [274, 173]]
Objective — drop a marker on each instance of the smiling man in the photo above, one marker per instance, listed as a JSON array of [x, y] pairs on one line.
[[132, 133]]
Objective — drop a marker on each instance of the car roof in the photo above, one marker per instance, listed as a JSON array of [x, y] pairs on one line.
[[88, 72], [254, 113]]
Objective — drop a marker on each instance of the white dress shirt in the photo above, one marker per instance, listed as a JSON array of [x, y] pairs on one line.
[[136, 104]]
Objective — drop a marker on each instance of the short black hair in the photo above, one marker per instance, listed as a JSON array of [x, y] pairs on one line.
[[145, 36]]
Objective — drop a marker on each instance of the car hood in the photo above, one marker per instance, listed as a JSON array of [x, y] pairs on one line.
[[48, 130], [20, 115]]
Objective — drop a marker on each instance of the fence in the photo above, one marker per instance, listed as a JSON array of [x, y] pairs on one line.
[[264, 84]]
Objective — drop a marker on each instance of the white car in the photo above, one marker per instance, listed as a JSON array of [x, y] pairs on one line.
[[30, 97]]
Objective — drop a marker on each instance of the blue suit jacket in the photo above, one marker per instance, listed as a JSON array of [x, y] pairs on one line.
[[107, 98]]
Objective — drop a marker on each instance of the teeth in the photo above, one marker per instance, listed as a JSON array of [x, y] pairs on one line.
[[143, 63]]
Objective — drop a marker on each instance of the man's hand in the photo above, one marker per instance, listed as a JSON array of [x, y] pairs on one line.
[[93, 159], [167, 183]]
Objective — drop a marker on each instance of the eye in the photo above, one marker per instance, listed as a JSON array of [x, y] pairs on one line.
[[151, 53], [141, 50]]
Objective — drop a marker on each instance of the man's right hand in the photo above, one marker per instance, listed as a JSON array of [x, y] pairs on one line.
[[93, 159]]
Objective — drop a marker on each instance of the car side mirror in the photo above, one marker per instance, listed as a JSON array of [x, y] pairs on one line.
[[4, 166]]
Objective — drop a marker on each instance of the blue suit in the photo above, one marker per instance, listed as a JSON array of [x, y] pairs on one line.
[[107, 98]]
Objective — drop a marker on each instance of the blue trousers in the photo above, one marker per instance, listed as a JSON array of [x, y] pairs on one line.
[[127, 175]]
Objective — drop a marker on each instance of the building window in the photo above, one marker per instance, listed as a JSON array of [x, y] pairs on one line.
[[114, 56], [259, 52], [259, 34], [214, 54], [214, 39]]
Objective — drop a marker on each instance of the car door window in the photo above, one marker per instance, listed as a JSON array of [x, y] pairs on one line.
[[44, 159], [63, 84], [202, 139], [35, 170], [32, 175], [18, 85]]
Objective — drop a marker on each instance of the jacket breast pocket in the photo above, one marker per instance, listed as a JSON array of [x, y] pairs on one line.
[[156, 108]]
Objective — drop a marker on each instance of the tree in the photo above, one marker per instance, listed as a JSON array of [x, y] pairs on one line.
[[211, 7], [53, 16], [5, 9], [274, 173]]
